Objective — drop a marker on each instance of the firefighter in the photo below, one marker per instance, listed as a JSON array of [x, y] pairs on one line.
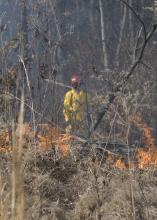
[[75, 103]]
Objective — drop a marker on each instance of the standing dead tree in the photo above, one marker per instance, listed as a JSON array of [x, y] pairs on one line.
[[103, 35], [122, 25], [24, 31], [139, 52]]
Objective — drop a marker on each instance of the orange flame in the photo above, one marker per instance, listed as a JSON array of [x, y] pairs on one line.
[[145, 157], [148, 156], [47, 137], [52, 138], [147, 131], [120, 163]]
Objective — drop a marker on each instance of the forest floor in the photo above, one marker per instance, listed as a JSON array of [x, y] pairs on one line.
[[79, 188]]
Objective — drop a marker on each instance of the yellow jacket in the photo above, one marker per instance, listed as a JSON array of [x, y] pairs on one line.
[[74, 105]]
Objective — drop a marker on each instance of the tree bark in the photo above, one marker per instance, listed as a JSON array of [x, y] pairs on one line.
[[24, 32], [122, 25], [131, 28], [103, 35]]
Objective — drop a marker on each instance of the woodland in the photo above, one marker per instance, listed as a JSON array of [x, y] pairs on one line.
[[107, 170]]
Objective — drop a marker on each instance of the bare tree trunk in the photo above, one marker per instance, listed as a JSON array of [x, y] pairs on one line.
[[78, 36], [91, 17], [155, 11], [23, 48], [155, 80], [122, 25], [24, 31], [131, 28], [57, 51], [103, 37]]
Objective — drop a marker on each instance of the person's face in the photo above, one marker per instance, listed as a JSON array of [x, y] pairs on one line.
[[75, 85]]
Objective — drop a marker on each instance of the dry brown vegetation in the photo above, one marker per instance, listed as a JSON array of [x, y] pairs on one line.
[[49, 175], [69, 189], [65, 186]]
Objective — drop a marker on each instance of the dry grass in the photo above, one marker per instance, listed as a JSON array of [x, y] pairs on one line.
[[57, 184], [65, 189]]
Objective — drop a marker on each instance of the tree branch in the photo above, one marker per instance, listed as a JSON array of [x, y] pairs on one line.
[[119, 87]]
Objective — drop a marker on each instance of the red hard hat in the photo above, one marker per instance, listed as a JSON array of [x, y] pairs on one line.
[[75, 79]]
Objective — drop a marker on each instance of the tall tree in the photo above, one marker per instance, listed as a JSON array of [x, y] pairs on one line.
[[103, 34], [24, 31], [121, 32]]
